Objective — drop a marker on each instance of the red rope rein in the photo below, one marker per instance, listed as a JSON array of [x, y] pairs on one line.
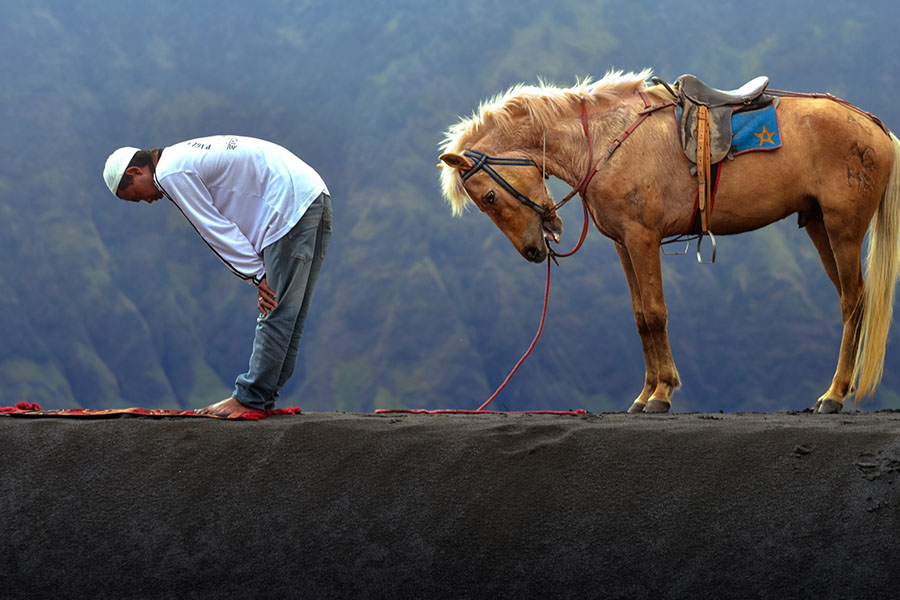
[[530, 348]]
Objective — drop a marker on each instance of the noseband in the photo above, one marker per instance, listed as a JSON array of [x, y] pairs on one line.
[[483, 162]]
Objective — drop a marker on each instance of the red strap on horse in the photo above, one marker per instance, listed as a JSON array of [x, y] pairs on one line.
[[788, 94], [582, 186]]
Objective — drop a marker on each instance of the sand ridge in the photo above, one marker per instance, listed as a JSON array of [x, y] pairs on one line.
[[452, 506]]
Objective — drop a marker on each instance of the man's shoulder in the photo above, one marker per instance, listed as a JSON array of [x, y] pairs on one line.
[[197, 146], [189, 155], [235, 155], [228, 145]]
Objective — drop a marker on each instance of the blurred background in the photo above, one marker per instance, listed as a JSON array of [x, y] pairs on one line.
[[107, 304]]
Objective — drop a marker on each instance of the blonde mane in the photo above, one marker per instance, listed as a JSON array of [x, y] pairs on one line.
[[542, 103]]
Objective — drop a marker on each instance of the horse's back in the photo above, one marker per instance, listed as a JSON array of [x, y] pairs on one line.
[[833, 159]]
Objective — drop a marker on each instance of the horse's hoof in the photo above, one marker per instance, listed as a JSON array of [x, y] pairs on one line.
[[637, 407], [657, 406], [828, 407]]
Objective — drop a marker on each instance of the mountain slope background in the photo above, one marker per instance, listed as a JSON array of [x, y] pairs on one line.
[[105, 304]]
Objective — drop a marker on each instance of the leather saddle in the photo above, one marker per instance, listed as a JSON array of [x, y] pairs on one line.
[[692, 93], [704, 127]]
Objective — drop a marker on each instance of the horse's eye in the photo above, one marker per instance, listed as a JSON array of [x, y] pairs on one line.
[[490, 197]]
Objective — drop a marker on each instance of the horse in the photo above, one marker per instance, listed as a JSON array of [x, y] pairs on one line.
[[838, 170]]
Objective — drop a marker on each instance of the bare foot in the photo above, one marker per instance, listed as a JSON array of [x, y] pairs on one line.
[[229, 406]]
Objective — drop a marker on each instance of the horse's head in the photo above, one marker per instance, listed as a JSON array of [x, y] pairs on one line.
[[515, 198]]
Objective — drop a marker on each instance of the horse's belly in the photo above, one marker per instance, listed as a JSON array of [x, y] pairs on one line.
[[755, 191]]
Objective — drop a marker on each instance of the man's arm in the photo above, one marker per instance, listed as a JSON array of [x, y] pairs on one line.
[[193, 199]]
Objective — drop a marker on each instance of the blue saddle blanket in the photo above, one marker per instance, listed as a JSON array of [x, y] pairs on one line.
[[753, 130]]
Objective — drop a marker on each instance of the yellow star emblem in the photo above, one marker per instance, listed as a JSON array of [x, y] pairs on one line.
[[765, 136]]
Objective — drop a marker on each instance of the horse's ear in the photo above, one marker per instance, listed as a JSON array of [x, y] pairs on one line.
[[457, 161]]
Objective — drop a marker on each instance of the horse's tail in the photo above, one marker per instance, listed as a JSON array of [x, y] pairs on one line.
[[882, 268]]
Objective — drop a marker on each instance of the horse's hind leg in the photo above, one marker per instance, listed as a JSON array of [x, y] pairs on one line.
[[846, 248], [815, 229]]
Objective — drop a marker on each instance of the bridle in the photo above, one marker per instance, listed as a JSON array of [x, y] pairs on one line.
[[484, 161]]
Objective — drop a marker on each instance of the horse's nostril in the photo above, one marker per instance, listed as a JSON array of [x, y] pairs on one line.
[[531, 253]]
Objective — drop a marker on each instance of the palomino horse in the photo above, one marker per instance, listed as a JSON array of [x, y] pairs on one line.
[[838, 169]]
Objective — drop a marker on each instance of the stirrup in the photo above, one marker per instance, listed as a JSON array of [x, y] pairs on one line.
[[687, 248], [700, 241]]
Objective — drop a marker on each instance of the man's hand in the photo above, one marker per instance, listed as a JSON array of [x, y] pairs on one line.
[[266, 297]]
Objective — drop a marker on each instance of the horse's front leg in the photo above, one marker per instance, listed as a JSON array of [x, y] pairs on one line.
[[641, 263], [651, 371]]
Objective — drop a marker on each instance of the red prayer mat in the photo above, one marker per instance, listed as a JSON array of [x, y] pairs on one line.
[[449, 411], [25, 409]]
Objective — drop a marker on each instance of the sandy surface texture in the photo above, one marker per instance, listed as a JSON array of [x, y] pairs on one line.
[[333, 505]]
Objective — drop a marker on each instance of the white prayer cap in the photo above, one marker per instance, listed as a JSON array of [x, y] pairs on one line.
[[116, 165]]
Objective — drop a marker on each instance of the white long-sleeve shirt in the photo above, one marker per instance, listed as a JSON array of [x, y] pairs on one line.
[[240, 194]]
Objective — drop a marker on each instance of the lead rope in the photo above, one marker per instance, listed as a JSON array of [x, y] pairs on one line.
[[534, 342], [580, 189]]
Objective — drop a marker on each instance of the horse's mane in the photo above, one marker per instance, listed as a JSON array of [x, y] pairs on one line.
[[544, 103]]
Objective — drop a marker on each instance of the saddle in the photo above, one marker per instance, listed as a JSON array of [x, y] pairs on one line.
[[704, 125]]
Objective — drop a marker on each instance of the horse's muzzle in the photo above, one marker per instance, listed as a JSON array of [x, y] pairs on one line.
[[536, 254], [552, 228]]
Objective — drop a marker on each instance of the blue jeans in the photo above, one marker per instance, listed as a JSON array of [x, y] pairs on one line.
[[292, 269]]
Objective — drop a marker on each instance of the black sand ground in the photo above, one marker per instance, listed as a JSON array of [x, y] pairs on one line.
[[401, 506]]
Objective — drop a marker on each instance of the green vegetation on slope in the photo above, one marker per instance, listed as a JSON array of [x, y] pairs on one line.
[[105, 304]]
